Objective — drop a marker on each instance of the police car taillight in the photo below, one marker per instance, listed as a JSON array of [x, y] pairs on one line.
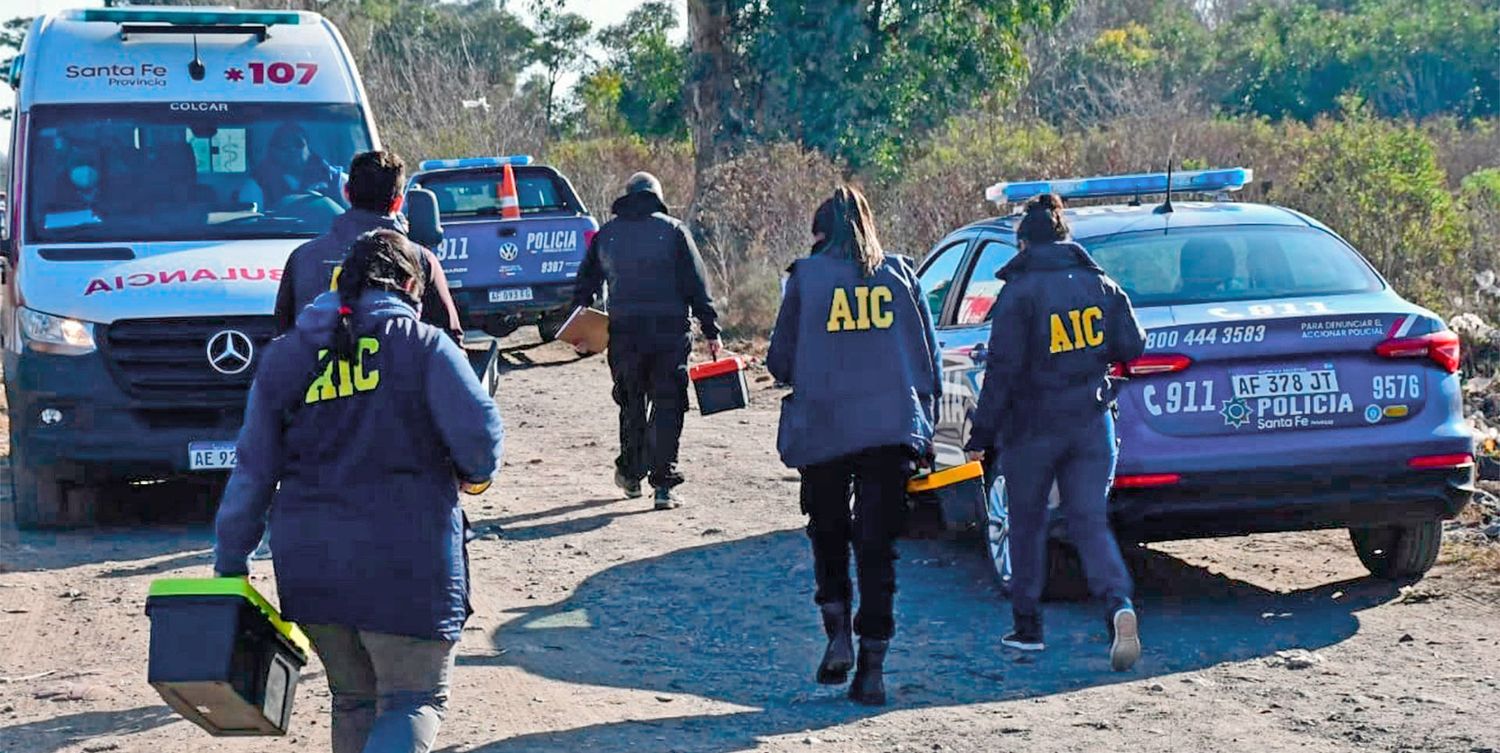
[[1434, 462], [1147, 480], [1441, 347], [1156, 363], [588, 238]]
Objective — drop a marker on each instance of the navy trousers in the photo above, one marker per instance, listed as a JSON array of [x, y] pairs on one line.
[[1081, 459]]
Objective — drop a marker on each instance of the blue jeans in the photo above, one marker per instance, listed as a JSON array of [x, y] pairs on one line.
[[1081, 458], [390, 692]]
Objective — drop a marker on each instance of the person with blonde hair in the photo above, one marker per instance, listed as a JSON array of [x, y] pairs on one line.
[[854, 339]]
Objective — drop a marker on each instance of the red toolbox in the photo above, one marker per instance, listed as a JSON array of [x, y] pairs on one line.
[[720, 385]]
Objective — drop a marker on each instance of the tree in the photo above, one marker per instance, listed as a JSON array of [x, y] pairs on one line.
[[851, 78], [560, 46], [650, 70], [12, 36]]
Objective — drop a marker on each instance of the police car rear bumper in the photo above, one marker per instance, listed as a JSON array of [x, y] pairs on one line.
[[1235, 503], [475, 308], [104, 434]]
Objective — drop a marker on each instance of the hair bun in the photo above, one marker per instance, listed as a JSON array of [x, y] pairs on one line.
[[1047, 202]]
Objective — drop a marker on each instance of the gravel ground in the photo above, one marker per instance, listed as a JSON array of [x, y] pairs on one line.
[[602, 626]]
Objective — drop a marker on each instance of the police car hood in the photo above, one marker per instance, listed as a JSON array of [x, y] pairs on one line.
[[162, 280]]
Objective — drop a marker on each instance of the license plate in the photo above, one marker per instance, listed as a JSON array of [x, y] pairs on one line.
[[510, 295], [1277, 384], [211, 456]]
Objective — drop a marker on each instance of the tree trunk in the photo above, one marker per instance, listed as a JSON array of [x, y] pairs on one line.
[[710, 86]]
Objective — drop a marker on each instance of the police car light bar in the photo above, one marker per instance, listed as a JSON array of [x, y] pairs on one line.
[[1190, 181], [191, 18], [517, 160]]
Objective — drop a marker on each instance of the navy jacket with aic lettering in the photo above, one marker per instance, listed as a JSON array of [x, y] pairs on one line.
[[861, 356], [366, 524], [1058, 324]]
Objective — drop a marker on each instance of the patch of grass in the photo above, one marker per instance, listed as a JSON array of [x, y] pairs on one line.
[[1482, 558]]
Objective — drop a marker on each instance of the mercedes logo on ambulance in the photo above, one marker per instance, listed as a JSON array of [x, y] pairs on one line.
[[229, 352], [509, 251]]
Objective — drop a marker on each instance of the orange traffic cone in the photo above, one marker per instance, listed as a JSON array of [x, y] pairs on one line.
[[510, 199]]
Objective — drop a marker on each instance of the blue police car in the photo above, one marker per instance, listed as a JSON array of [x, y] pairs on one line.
[[1285, 385], [506, 273]]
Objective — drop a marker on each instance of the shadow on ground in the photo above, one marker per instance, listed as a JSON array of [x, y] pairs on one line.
[[136, 523], [66, 732], [733, 622]]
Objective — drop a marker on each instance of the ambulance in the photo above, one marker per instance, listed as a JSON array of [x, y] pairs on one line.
[[165, 164]]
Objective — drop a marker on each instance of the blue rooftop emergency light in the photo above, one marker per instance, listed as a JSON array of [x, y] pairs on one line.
[[191, 17], [1190, 181], [516, 160]]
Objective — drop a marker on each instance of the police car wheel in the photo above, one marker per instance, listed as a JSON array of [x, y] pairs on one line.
[[1398, 552], [997, 534]]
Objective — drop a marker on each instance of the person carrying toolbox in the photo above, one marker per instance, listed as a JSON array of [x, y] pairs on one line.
[[370, 422], [656, 279], [1047, 406], [854, 339]]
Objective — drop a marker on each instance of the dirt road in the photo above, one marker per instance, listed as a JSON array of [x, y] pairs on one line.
[[604, 627]]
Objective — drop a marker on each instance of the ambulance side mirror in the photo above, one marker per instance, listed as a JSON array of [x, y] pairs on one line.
[[423, 225]]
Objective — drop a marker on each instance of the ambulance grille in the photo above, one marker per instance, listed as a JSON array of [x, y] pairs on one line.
[[167, 360]]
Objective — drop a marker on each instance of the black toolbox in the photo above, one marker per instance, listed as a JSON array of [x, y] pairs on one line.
[[720, 385], [958, 492], [222, 657]]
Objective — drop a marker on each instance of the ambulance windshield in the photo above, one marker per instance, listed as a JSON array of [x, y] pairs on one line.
[[185, 171]]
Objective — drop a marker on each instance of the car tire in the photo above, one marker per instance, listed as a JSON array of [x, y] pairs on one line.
[[1398, 552], [1065, 580], [551, 324], [41, 499], [997, 535]]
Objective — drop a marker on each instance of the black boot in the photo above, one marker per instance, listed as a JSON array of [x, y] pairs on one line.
[[869, 679], [838, 659]]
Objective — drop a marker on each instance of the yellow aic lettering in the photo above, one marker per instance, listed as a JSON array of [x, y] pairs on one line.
[[354, 377], [333, 284], [869, 310], [1083, 333]]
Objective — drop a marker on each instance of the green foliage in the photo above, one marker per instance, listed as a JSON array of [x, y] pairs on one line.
[[12, 36], [1482, 189], [1405, 59], [856, 79], [639, 89]]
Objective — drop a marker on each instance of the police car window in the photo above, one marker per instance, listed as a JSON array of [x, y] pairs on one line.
[[188, 171], [1210, 265], [477, 194], [937, 276], [982, 287]]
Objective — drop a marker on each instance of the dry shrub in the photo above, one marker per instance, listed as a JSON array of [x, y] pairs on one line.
[[599, 168], [754, 217], [943, 188]]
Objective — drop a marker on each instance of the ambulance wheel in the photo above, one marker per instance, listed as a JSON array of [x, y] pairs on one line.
[[41, 500], [997, 534], [551, 324], [1398, 552]]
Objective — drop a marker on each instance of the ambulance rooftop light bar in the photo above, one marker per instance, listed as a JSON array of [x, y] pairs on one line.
[[518, 160], [1188, 181], [214, 17]]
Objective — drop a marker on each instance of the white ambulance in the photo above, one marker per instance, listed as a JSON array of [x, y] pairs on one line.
[[165, 163]]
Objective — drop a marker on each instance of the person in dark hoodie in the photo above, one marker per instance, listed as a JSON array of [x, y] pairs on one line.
[[362, 426], [656, 280], [1047, 407], [854, 339], [376, 180]]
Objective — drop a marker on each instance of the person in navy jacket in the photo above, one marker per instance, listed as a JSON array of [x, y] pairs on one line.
[[361, 426], [1047, 407], [855, 341]]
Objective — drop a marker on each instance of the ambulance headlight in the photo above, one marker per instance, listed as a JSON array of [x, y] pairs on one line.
[[58, 335]]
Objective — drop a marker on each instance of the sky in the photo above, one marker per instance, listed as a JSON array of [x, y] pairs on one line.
[[601, 12]]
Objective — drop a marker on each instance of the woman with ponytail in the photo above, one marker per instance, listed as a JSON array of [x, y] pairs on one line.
[[855, 341], [363, 424], [1045, 416]]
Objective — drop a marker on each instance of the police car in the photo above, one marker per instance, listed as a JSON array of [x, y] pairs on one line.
[[508, 272], [1285, 386], [165, 163]]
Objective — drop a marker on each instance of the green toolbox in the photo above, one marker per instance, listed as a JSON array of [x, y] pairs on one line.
[[222, 657]]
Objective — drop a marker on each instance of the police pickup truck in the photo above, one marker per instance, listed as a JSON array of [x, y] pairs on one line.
[[515, 234]]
